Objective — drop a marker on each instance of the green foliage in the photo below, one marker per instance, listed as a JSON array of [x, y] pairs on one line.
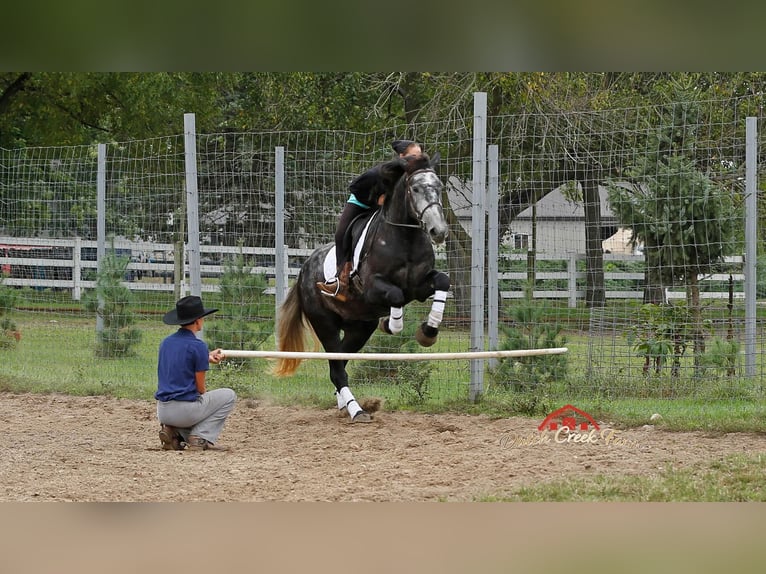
[[7, 298], [411, 378], [675, 210], [661, 332], [8, 328], [530, 330], [760, 277], [111, 301], [245, 319], [721, 356]]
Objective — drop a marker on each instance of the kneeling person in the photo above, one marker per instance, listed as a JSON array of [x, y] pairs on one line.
[[187, 411]]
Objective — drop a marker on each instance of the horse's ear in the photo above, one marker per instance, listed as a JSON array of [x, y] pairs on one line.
[[435, 159]]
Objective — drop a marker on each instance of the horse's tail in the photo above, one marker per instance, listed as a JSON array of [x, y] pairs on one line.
[[291, 332]]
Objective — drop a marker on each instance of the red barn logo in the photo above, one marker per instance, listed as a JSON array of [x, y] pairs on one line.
[[569, 417]]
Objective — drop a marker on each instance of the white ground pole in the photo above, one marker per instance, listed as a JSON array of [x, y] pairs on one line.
[[471, 355]]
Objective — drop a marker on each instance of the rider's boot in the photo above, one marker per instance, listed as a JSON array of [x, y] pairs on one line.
[[336, 286]]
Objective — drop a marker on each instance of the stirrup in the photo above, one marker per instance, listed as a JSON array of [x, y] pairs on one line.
[[326, 287]]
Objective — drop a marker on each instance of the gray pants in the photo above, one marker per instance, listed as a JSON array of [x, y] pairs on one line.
[[204, 417]]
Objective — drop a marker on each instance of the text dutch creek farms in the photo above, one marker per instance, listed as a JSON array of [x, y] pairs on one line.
[[565, 435]]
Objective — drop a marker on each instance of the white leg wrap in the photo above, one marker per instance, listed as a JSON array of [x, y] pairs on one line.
[[437, 309], [341, 402], [396, 320], [349, 402]]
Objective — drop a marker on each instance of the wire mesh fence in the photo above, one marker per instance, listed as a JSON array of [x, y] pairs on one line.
[[621, 237]]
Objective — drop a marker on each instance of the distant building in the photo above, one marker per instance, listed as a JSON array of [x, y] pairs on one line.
[[560, 223]]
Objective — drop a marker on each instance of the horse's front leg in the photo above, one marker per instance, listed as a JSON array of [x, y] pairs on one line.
[[383, 292], [428, 331]]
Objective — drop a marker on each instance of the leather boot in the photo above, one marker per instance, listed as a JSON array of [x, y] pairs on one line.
[[337, 286], [170, 438], [197, 442]]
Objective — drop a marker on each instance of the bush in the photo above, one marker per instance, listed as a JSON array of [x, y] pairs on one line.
[[411, 377], [111, 301], [246, 319], [529, 330], [9, 334]]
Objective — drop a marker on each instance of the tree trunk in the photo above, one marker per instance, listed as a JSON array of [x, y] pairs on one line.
[[695, 310], [654, 292], [595, 295]]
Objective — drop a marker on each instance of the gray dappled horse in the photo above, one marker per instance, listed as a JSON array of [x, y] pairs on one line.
[[394, 265]]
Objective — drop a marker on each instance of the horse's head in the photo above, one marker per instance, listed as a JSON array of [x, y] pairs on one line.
[[420, 190]]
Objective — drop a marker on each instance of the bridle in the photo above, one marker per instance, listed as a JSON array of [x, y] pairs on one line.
[[408, 192]]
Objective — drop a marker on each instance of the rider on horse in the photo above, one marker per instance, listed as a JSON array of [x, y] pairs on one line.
[[366, 194]]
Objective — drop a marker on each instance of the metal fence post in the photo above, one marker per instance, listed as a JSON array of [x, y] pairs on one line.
[[192, 204], [280, 249], [493, 251], [751, 241], [100, 225], [478, 253], [77, 269]]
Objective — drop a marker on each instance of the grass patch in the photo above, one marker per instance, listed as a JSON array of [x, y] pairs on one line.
[[738, 478], [57, 354]]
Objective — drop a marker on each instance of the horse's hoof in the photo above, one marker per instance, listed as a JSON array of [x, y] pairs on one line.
[[362, 417], [383, 325], [426, 335]]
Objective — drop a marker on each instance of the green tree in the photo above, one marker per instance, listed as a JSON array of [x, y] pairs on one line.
[[111, 301], [676, 211], [528, 329], [244, 324]]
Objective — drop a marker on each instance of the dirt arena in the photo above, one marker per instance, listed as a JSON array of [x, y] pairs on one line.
[[63, 448]]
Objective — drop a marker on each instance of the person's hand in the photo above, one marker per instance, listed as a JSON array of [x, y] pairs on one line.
[[216, 356]]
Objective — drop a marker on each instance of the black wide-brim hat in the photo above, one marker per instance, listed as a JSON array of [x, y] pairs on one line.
[[188, 309]]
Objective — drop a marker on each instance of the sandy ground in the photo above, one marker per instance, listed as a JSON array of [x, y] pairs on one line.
[[63, 448]]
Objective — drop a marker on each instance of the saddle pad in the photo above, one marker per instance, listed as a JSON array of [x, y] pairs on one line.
[[331, 267]]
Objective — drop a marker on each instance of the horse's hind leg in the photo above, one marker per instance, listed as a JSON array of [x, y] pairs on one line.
[[428, 330], [353, 340]]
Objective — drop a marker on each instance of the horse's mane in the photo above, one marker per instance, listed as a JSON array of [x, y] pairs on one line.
[[416, 163]]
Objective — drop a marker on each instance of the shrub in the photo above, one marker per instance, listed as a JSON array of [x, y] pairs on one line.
[[529, 330], [411, 377], [111, 301], [245, 319], [9, 334]]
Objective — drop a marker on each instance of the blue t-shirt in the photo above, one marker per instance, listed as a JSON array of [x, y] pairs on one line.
[[181, 356]]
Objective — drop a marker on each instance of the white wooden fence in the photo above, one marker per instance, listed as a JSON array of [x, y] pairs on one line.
[[62, 264]]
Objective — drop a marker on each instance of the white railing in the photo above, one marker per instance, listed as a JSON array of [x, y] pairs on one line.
[[152, 268], [572, 275]]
